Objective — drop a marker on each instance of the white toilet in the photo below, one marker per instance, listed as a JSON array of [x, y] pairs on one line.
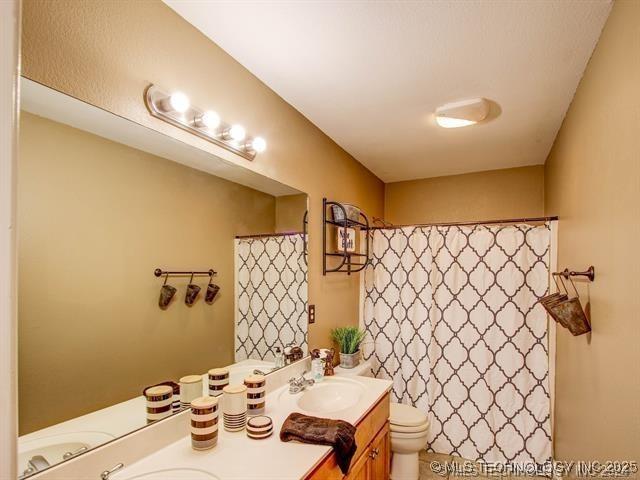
[[408, 431], [408, 436]]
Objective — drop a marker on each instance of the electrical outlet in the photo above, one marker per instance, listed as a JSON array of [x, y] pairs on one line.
[[312, 314]]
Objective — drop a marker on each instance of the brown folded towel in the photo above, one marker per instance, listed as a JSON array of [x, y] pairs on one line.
[[338, 434]]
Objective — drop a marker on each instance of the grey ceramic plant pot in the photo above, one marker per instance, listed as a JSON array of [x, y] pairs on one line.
[[349, 360]]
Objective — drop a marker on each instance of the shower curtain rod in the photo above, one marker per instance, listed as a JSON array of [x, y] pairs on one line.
[[479, 222], [263, 235]]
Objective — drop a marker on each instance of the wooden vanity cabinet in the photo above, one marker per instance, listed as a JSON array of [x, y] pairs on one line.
[[380, 455], [372, 460]]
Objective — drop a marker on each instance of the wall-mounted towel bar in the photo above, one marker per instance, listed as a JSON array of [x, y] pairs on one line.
[[565, 306], [590, 273], [171, 273], [167, 292]]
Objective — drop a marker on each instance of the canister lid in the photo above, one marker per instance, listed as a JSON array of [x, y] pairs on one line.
[[260, 421], [217, 372], [204, 402], [235, 389], [158, 391], [255, 379], [191, 379]]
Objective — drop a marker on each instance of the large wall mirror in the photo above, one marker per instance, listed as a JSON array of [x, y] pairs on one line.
[[103, 203]]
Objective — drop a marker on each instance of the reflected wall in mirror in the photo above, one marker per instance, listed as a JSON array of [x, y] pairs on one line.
[[102, 202]]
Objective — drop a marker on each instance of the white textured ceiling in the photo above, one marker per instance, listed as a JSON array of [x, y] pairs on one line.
[[370, 74]]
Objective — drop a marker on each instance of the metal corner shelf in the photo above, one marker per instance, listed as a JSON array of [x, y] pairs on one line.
[[346, 265]]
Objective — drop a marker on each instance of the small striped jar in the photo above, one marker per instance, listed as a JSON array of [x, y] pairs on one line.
[[159, 401], [234, 407], [204, 423], [175, 405], [256, 393], [218, 379], [190, 389]]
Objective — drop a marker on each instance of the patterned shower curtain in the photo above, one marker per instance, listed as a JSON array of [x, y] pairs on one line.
[[452, 319], [271, 295]]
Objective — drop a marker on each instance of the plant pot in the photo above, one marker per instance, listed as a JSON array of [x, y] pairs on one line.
[[349, 360]]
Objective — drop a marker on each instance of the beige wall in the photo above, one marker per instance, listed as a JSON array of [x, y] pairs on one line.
[[593, 184], [96, 218], [290, 212], [490, 195], [107, 52]]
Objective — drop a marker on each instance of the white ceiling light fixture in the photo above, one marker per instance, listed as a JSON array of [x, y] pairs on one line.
[[462, 113]]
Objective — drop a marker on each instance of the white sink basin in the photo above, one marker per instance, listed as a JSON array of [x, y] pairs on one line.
[[330, 396], [175, 474]]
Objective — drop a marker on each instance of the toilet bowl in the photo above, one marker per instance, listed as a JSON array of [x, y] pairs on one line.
[[409, 428]]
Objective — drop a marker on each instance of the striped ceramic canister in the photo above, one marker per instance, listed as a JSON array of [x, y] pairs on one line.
[[218, 379], [234, 407], [204, 423], [190, 389], [256, 393], [159, 401]]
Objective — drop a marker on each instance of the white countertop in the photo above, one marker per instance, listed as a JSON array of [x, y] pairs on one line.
[[238, 457], [106, 424]]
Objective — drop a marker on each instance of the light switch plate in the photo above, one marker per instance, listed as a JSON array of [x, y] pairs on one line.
[[312, 314]]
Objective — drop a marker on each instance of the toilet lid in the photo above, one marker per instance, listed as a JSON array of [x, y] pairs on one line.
[[406, 416], [402, 429], [408, 436]]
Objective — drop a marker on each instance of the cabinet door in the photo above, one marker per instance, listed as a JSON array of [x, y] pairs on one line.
[[380, 455], [360, 469]]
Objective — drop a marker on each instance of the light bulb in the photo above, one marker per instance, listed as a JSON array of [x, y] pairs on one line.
[[237, 132], [210, 119], [179, 102], [449, 122], [259, 144]]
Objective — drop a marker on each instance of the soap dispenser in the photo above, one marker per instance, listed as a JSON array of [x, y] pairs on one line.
[[317, 369], [279, 358]]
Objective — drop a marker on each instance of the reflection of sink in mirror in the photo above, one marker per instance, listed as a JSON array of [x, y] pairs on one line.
[[174, 474], [237, 373], [331, 396], [56, 448]]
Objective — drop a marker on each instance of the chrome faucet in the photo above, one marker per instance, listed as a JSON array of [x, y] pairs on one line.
[[297, 385], [34, 465]]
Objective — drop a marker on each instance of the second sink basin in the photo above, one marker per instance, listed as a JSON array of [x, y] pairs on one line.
[[331, 395], [175, 474]]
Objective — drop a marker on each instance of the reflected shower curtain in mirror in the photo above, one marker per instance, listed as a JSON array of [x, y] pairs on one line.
[[452, 318], [271, 295]]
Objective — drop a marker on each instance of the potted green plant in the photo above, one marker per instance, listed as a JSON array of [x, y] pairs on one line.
[[349, 340]]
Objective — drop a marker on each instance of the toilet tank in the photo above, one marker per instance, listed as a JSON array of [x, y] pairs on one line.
[[364, 369]]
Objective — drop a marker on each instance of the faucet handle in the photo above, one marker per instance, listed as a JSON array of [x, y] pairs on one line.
[[107, 473], [69, 454]]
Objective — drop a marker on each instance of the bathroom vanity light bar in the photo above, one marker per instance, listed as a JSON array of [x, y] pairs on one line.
[[175, 108]]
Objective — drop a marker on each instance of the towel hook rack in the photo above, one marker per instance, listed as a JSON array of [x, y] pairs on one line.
[[590, 273], [565, 308], [158, 272]]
